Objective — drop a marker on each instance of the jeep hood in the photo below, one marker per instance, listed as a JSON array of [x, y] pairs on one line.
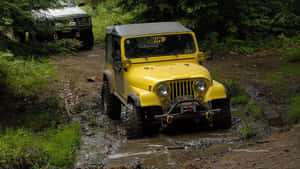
[[142, 76], [53, 14]]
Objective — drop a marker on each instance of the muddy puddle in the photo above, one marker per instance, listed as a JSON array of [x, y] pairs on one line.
[[171, 151], [104, 146]]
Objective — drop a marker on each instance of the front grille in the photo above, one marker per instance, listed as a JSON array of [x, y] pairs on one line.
[[181, 88], [82, 21]]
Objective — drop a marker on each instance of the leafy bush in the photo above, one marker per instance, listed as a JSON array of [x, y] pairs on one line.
[[233, 19], [52, 148], [61, 47], [23, 77], [248, 133], [106, 14]]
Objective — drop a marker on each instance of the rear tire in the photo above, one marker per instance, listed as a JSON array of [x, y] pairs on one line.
[[111, 105], [222, 120], [133, 123], [88, 40]]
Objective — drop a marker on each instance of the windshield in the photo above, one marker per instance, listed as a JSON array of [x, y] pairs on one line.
[[162, 45], [66, 3]]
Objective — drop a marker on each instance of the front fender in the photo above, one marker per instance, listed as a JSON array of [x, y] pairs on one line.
[[109, 77], [216, 91], [145, 97]]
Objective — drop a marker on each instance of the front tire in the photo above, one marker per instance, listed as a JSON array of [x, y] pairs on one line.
[[111, 105], [133, 123], [222, 120]]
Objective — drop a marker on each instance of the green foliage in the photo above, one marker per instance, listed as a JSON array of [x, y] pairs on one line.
[[233, 88], [241, 99], [248, 133], [61, 47], [60, 145], [40, 115], [294, 55], [287, 68], [293, 113], [22, 77], [106, 14], [51, 148], [254, 110], [93, 120], [272, 77], [231, 24]]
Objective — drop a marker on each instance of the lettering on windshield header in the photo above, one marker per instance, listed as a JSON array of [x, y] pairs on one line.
[[159, 39]]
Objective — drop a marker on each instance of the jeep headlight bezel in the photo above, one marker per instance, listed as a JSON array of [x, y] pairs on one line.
[[163, 90], [201, 86]]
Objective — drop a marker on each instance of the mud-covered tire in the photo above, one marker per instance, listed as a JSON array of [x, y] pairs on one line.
[[133, 123], [222, 120], [111, 105], [88, 40]]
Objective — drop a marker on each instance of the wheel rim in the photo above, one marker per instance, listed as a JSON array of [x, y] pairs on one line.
[[105, 105], [104, 98], [129, 109]]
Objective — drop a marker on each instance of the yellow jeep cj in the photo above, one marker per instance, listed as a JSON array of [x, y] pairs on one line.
[[154, 73]]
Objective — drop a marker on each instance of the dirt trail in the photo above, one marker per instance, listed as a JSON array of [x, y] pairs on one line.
[[280, 151], [104, 146]]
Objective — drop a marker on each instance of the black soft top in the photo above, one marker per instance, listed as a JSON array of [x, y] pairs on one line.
[[146, 28]]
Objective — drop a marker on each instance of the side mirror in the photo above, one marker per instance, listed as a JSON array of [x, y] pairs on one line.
[[81, 4], [201, 57]]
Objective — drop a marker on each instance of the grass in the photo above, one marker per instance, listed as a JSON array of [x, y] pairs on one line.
[[93, 121], [237, 94], [281, 45], [274, 78], [248, 133], [241, 99], [53, 148], [290, 68], [293, 113], [254, 110], [24, 77]]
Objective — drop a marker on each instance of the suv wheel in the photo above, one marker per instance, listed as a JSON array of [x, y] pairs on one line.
[[133, 121], [111, 105], [222, 120], [88, 40]]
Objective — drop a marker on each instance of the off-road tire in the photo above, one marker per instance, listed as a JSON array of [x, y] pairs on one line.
[[111, 105], [133, 122], [88, 40], [222, 120]]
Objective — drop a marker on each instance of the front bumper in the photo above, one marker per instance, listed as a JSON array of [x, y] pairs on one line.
[[187, 109], [70, 32]]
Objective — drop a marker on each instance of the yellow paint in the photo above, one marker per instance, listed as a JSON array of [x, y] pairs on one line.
[[144, 72]]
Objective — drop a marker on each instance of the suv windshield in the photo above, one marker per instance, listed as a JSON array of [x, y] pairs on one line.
[[162, 45], [66, 3]]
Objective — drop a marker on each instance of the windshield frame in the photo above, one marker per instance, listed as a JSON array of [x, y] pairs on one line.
[[165, 57]]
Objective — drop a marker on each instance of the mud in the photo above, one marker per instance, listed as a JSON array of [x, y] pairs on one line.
[[103, 144]]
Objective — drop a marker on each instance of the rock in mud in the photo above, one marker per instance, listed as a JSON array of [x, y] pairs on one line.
[[91, 79]]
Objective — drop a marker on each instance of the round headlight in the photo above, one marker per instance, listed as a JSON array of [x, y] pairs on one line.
[[201, 86], [163, 90]]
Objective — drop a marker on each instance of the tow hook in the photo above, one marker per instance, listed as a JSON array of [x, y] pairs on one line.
[[209, 115], [170, 119]]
